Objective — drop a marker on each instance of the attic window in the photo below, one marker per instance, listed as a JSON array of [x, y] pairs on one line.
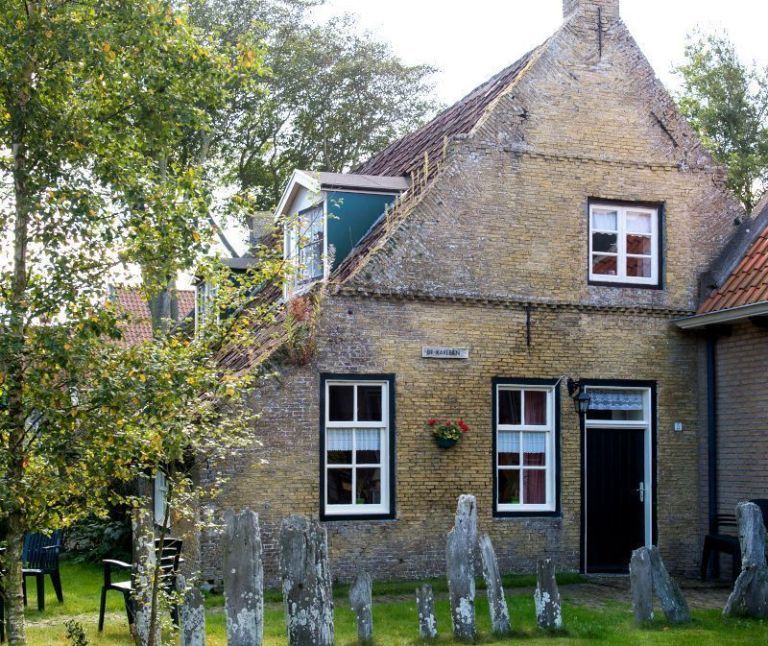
[[307, 243], [623, 244]]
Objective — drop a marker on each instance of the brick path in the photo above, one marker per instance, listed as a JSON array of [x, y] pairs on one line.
[[600, 591]]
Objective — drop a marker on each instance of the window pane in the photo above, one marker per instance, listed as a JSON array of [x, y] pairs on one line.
[[368, 446], [639, 267], [339, 447], [339, 486], [509, 487], [534, 487], [340, 404], [638, 222], [535, 407], [638, 244], [534, 449], [604, 265], [604, 219], [508, 447], [369, 403], [509, 407], [368, 487], [605, 242]]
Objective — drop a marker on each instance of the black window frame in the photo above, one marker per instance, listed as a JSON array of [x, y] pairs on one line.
[[391, 467], [527, 381]]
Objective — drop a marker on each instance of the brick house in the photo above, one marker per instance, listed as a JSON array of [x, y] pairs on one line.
[[731, 326], [549, 227]]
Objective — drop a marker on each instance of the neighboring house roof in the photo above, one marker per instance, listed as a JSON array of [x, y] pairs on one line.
[[748, 282], [138, 326], [407, 154]]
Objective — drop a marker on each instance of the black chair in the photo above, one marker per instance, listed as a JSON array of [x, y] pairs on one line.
[[763, 504], [170, 558], [722, 542], [40, 556]]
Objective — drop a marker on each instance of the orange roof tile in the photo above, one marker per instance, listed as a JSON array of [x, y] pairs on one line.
[[747, 284], [138, 326]]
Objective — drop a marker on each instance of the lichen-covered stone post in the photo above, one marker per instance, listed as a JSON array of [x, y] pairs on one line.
[[460, 562], [425, 606], [668, 592], [360, 598], [497, 604], [549, 615], [750, 593], [641, 582], [144, 566], [191, 615], [306, 577], [243, 579]]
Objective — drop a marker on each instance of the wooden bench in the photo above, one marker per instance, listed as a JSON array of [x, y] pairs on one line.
[[722, 542]]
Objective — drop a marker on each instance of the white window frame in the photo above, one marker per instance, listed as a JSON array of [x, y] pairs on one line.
[[355, 509], [160, 498], [621, 251], [646, 424], [551, 462], [299, 280]]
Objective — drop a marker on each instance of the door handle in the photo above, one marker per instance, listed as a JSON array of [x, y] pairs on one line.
[[641, 491]]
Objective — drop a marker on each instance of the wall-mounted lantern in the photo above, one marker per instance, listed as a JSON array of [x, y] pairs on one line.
[[579, 396]]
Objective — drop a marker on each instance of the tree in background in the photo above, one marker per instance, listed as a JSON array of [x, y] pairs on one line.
[[335, 95], [726, 101], [104, 110]]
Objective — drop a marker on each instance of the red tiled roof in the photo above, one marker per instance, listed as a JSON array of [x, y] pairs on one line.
[[747, 283], [138, 326], [406, 154]]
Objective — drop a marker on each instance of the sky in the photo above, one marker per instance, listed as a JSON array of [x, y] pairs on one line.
[[469, 41]]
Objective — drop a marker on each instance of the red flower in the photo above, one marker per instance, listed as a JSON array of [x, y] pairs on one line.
[[432, 421], [463, 426]]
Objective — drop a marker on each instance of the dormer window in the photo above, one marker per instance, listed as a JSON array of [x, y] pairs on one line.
[[325, 215], [623, 244], [307, 242]]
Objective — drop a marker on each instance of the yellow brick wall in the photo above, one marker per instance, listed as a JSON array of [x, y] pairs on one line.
[[505, 224]]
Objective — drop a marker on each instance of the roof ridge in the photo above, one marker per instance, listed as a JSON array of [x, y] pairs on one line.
[[406, 153]]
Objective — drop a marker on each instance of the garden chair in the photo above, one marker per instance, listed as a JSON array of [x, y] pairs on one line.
[[719, 542], [40, 556], [170, 558]]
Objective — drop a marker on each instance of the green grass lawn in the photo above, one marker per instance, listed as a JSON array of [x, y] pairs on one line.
[[395, 622]]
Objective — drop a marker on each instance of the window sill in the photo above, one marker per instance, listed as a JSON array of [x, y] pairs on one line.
[[355, 517], [510, 515], [623, 285]]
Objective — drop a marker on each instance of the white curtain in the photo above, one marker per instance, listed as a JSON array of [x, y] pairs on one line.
[[615, 399]]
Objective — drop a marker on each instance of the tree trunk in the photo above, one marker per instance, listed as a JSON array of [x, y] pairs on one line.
[[17, 630]]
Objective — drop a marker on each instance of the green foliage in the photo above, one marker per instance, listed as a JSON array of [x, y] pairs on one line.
[[726, 102], [75, 633], [94, 539], [335, 95]]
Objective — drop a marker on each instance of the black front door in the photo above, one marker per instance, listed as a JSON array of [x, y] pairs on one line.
[[615, 491]]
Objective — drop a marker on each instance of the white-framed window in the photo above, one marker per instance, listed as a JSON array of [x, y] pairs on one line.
[[160, 497], [356, 448], [205, 305], [623, 244], [525, 448], [306, 243]]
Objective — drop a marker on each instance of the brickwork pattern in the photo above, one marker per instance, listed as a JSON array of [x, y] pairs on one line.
[[504, 225]]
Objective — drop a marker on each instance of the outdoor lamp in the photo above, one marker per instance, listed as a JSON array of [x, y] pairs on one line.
[[579, 396]]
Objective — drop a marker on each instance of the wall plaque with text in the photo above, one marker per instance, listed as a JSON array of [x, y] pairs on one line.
[[432, 352]]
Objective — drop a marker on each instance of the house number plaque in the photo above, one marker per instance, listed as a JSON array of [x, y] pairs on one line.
[[431, 352]]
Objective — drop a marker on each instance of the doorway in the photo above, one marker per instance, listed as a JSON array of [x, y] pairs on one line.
[[617, 481]]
